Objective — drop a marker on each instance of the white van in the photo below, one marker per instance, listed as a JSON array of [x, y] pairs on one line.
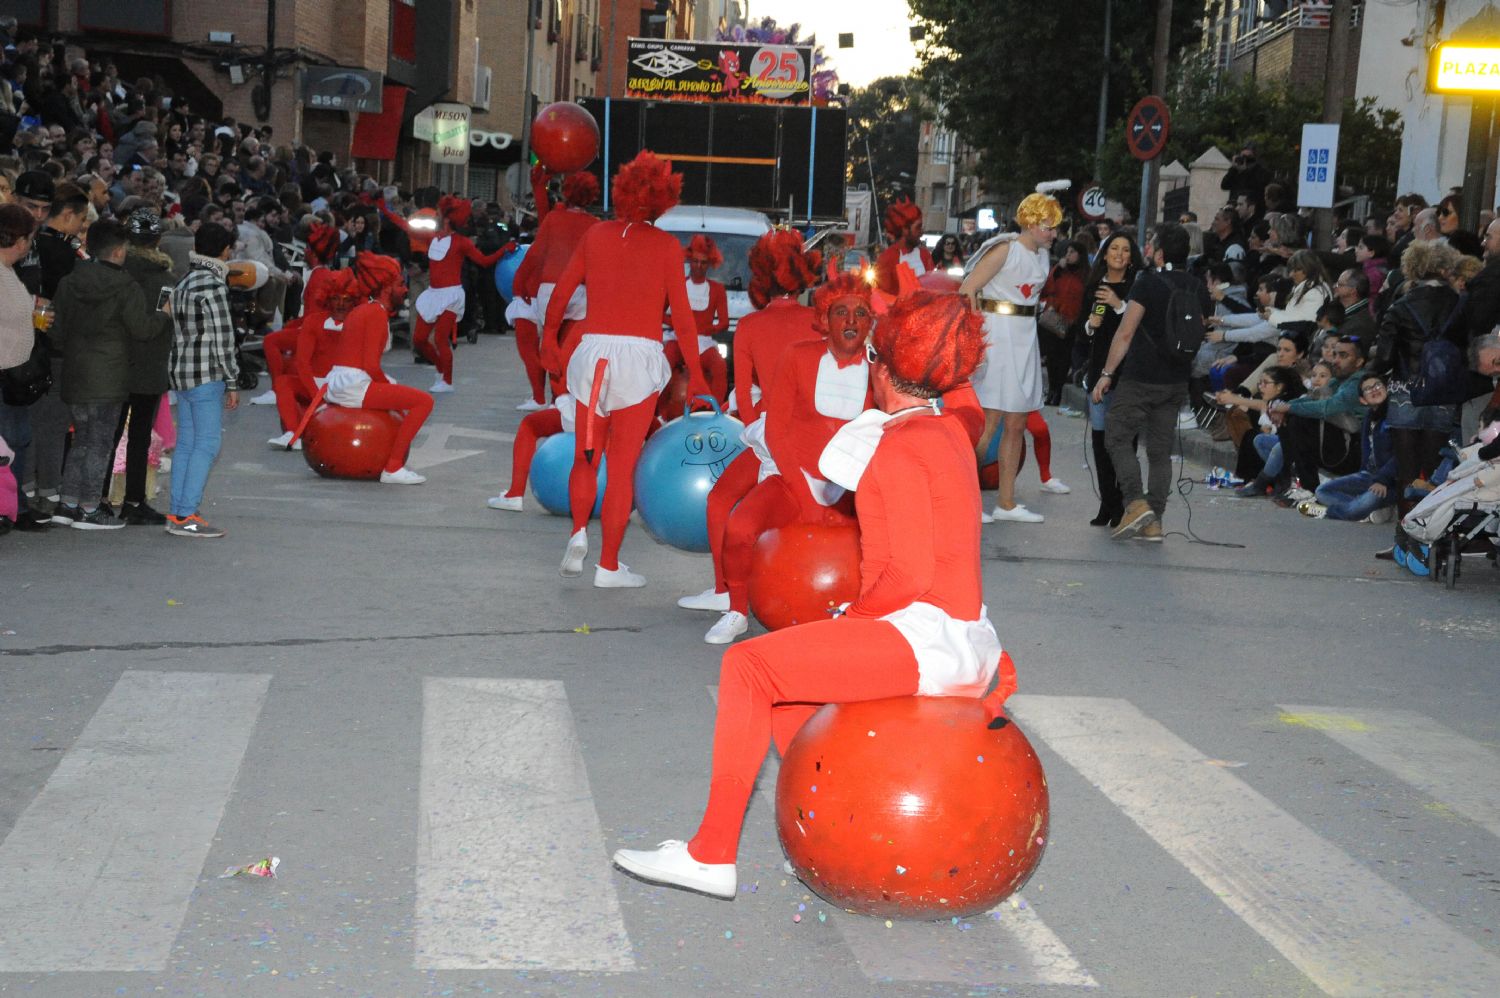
[[735, 230]]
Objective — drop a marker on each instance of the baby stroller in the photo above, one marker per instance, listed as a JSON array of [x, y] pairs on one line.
[[1461, 516]]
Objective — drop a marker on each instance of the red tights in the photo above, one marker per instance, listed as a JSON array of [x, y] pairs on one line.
[[437, 348], [1041, 442], [279, 347], [618, 437], [529, 345], [291, 399], [771, 685], [534, 427], [733, 485], [415, 407], [768, 505]]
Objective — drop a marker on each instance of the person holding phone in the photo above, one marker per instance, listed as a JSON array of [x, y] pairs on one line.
[[1115, 268]]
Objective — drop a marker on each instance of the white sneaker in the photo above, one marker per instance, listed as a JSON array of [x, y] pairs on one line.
[[1018, 514], [401, 476], [439, 387], [531, 405], [512, 503], [578, 549], [706, 600], [1186, 420], [281, 442], [1056, 486], [619, 578], [670, 863], [985, 517], [729, 627], [264, 398]]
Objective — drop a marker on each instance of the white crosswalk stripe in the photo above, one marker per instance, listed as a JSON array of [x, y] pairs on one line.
[[511, 872], [1454, 770], [1348, 930], [98, 870]]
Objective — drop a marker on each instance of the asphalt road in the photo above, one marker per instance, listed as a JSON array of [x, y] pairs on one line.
[[1272, 766]]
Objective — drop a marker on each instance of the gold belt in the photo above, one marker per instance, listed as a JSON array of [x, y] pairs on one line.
[[1001, 307]]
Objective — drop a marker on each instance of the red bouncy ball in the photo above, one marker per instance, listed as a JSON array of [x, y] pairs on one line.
[[674, 397], [801, 571], [349, 443], [565, 137], [912, 807]]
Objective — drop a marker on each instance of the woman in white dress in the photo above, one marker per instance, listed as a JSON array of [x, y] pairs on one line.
[[1005, 280]]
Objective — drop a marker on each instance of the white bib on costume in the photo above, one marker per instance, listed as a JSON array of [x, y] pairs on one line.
[[346, 386], [840, 393], [914, 261], [698, 295], [954, 657], [637, 369], [438, 248]]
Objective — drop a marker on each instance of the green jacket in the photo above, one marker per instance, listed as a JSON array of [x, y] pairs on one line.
[[100, 311], [152, 270]]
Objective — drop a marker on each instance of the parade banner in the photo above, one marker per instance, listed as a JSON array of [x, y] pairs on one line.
[[728, 72]]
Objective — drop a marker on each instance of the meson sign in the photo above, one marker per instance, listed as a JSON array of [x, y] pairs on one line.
[[450, 133]]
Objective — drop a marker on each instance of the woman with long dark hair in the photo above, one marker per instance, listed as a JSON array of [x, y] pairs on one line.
[[946, 253], [1115, 268]]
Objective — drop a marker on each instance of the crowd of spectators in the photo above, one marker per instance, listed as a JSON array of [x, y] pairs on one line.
[[86, 156]]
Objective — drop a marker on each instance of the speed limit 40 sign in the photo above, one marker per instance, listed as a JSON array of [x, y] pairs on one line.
[[1091, 203]]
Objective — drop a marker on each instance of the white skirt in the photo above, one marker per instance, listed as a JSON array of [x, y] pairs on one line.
[[705, 343], [577, 304], [954, 657], [637, 369], [346, 386], [435, 301], [1010, 379]]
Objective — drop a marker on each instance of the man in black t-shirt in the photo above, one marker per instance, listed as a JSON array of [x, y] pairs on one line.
[[1146, 384]]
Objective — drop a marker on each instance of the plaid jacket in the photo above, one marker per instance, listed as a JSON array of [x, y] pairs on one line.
[[203, 347]]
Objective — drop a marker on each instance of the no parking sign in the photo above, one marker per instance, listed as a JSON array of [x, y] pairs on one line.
[[1318, 164]]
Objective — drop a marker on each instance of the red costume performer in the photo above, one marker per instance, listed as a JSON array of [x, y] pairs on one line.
[[903, 226], [633, 271], [919, 625], [288, 386], [779, 272], [356, 379], [556, 239], [710, 314], [441, 306]]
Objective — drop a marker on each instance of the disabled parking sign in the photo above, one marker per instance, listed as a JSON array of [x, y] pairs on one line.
[[1320, 154]]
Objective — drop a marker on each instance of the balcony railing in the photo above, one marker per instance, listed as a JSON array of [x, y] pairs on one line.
[[1313, 15]]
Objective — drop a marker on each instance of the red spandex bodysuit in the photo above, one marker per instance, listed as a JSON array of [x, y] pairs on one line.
[[885, 265], [359, 346], [633, 271], [442, 304], [918, 506], [281, 349], [561, 231], [710, 319]]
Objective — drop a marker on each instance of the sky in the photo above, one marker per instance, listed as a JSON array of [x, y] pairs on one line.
[[882, 46]]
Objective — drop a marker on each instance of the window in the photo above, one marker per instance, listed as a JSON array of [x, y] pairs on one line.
[[404, 30]]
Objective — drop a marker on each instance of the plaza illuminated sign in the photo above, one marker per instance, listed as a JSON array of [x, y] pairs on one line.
[[1464, 69]]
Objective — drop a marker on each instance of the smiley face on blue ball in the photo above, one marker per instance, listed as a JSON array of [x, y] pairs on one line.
[[712, 450]]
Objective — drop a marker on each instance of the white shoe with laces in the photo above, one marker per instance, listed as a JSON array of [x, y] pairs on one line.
[[578, 549], [670, 863], [401, 476], [531, 405], [264, 398], [729, 627], [985, 517], [706, 600], [512, 503], [1017, 514], [439, 387], [1056, 486], [618, 578]]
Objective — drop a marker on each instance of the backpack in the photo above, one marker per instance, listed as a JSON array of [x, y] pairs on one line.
[[1443, 377], [1182, 327]]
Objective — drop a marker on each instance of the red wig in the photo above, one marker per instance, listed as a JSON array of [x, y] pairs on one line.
[[899, 215], [645, 188], [704, 246], [931, 340], [455, 209], [381, 278], [842, 285], [322, 243], [778, 266], [579, 190], [336, 295]]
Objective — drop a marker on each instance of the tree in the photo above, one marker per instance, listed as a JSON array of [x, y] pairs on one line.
[[885, 118], [1229, 113], [1019, 80]]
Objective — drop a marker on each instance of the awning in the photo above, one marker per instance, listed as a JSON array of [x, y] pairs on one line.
[[376, 135]]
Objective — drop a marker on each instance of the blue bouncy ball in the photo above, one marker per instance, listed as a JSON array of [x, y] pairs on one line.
[[505, 271], [550, 467], [680, 464]]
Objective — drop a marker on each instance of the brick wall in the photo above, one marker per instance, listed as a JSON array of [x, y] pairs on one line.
[[1300, 58]]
